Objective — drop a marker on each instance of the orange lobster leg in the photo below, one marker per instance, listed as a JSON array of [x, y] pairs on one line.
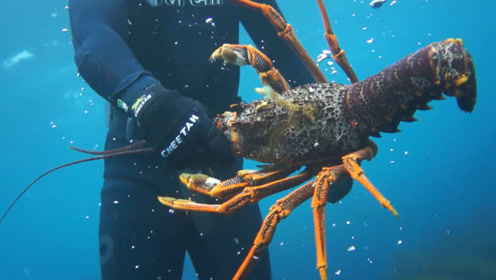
[[279, 211], [286, 32], [248, 195], [352, 165], [324, 181], [337, 53], [210, 186], [240, 55]]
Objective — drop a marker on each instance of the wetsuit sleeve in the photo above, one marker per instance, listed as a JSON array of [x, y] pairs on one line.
[[101, 54], [263, 34]]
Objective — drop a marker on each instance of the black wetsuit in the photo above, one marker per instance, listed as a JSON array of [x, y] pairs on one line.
[[121, 45]]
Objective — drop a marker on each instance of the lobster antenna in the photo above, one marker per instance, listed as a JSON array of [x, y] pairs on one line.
[[127, 150]]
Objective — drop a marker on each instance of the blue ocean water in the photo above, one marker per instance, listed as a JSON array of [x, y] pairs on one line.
[[437, 172]]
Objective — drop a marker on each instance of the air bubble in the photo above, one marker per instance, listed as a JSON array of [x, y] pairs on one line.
[[210, 21]]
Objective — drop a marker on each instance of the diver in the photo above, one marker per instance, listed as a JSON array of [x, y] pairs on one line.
[[150, 60]]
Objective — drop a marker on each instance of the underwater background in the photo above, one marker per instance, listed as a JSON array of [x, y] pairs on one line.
[[438, 172]]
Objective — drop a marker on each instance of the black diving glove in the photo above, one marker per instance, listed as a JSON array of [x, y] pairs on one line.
[[179, 128]]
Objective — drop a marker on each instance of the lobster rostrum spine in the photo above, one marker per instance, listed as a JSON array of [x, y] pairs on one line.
[[326, 121]]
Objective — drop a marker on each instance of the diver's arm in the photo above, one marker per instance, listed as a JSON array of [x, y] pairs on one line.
[[102, 56], [263, 34], [160, 115]]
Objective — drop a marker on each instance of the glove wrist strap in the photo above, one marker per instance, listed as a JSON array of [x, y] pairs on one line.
[[138, 95]]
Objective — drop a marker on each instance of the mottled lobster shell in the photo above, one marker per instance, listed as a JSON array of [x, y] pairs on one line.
[[320, 123]]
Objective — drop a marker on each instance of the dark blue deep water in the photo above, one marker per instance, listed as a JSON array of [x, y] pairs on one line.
[[438, 172]]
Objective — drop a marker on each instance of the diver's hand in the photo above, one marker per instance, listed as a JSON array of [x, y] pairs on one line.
[[180, 129]]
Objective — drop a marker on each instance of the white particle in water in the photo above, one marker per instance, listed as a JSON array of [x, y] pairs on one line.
[[210, 21], [351, 248], [400, 242], [323, 55], [116, 201]]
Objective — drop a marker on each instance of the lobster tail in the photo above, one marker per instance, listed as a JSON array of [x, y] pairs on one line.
[[382, 101], [456, 72]]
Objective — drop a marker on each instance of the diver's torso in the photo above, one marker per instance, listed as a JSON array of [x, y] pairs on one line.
[[174, 39]]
